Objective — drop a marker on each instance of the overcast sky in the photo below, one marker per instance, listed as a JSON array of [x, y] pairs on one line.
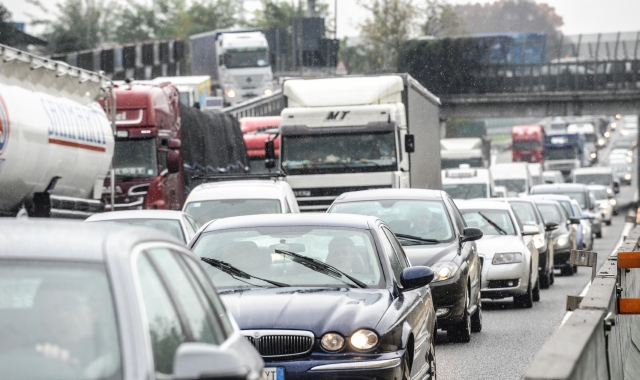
[[580, 16]]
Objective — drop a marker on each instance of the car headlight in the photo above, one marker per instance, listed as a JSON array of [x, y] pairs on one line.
[[627, 177], [268, 91], [630, 153], [601, 142], [614, 125], [538, 241], [507, 258], [231, 93], [562, 241], [332, 341], [444, 270], [364, 339], [607, 134], [613, 202], [609, 191], [594, 155]]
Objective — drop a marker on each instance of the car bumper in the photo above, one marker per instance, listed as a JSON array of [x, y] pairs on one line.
[[561, 257], [496, 279], [448, 297], [342, 366]]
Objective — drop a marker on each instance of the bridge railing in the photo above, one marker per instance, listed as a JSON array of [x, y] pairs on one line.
[[596, 342], [266, 105]]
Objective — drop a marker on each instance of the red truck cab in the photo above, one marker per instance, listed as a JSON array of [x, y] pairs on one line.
[[147, 155], [256, 131], [527, 142]]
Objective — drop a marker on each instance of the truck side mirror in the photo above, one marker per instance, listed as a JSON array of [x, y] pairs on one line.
[[173, 160], [270, 150], [409, 143]]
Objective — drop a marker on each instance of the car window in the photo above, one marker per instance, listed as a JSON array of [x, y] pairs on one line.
[[190, 230], [525, 213], [163, 322], [457, 217], [396, 266], [397, 247], [198, 315], [194, 223], [550, 213]]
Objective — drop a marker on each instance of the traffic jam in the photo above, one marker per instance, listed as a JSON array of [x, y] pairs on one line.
[[146, 236]]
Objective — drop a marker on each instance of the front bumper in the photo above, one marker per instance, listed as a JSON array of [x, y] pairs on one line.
[[496, 279], [449, 294], [342, 366]]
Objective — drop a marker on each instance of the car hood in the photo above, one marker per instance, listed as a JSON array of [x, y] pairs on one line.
[[430, 254], [318, 310], [489, 245]]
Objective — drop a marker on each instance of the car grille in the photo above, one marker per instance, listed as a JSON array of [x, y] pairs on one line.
[[319, 199], [280, 343], [496, 284]]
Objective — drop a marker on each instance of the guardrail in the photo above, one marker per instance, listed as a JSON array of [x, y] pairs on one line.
[[265, 105], [596, 341]]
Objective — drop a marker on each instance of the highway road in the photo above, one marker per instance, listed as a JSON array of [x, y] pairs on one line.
[[512, 337]]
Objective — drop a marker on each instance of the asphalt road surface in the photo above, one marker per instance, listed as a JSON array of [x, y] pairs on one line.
[[511, 338]]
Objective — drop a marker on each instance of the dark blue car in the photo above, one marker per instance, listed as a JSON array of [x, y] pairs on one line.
[[323, 296]]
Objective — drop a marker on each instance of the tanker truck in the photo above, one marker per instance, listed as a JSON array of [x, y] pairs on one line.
[[56, 141]]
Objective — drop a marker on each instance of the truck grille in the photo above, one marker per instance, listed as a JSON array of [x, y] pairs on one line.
[[560, 166], [249, 81], [280, 343], [319, 199]]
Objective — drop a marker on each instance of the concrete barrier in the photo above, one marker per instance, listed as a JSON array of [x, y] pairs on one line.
[[595, 342]]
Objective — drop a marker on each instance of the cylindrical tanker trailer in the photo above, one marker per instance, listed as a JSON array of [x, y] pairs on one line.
[[56, 142]]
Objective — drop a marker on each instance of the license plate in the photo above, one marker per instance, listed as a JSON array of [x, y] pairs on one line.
[[274, 373]]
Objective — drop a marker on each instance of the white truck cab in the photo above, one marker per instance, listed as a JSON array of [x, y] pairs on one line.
[[514, 176], [467, 182]]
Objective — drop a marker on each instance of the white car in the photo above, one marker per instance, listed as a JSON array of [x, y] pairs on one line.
[[175, 223], [224, 199], [607, 204], [509, 261]]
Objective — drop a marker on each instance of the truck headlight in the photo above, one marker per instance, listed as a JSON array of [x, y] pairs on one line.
[[332, 341], [538, 241], [268, 91], [507, 258], [562, 241], [444, 270], [364, 339], [230, 93]]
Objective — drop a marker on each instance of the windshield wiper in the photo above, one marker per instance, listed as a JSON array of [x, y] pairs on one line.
[[416, 238], [494, 224], [235, 272], [320, 267]]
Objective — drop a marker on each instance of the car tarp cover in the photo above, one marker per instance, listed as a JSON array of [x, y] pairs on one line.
[[211, 141]]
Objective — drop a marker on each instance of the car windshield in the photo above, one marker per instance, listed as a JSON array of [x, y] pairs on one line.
[[318, 154], [237, 59], [466, 190], [514, 186], [594, 179], [54, 311], [599, 194], [204, 211], [135, 158], [526, 145], [253, 251], [550, 213], [525, 213], [560, 154], [419, 218], [491, 222], [620, 167], [170, 226]]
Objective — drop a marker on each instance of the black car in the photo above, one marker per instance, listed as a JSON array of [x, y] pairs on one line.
[[323, 296], [562, 234], [433, 233]]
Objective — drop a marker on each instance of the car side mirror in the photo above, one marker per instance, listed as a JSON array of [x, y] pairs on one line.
[[530, 230], [573, 220], [616, 187], [416, 277], [409, 143], [173, 161], [471, 234], [551, 226], [200, 361]]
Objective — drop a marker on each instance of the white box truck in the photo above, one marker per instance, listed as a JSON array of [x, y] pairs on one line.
[[237, 62], [56, 142], [356, 133], [466, 182], [464, 150]]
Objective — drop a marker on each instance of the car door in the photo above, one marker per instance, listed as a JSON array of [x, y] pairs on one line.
[[416, 301]]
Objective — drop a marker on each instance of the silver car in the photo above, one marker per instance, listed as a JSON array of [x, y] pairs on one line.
[[510, 263], [82, 301]]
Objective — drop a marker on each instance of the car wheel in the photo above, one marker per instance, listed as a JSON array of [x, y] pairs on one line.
[[608, 222], [574, 269], [461, 332], [552, 278], [545, 280], [599, 234], [431, 358], [524, 301], [536, 291], [476, 318], [566, 270], [406, 366]]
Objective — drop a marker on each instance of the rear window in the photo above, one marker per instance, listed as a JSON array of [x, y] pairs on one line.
[[170, 226], [204, 211], [550, 214]]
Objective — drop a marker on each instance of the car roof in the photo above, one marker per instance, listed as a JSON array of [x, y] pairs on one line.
[[545, 201], [553, 197], [376, 194], [136, 214], [594, 169], [56, 239], [482, 204], [597, 187], [306, 219], [560, 187], [245, 189]]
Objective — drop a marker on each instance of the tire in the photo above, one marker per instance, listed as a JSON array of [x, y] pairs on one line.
[[476, 318], [461, 332], [608, 222], [599, 234], [574, 269], [535, 295], [431, 359], [552, 278], [524, 301], [545, 280], [406, 366], [566, 270]]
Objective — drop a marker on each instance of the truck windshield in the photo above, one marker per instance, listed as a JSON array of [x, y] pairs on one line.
[[594, 179], [204, 211], [568, 153], [135, 158], [477, 162], [466, 190], [526, 145], [318, 154], [513, 185], [237, 59]]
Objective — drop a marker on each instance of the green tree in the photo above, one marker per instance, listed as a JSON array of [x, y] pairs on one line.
[[441, 19], [7, 30], [209, 15]]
